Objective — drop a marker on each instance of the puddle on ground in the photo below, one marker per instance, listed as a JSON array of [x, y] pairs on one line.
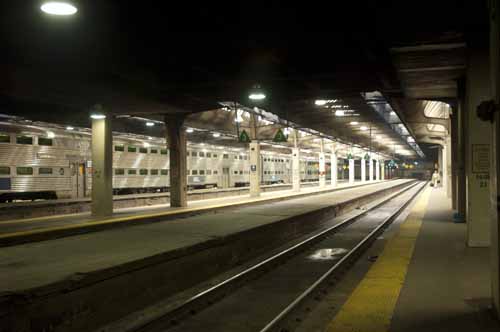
[[328, 253]]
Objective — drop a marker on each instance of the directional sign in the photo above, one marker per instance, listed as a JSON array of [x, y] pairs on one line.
[[367, 156], [244, 138], [350, 156], [280, 136]]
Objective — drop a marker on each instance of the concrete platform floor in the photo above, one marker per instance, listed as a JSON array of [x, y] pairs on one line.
[[21, 225], [37, 264], [447, 286]]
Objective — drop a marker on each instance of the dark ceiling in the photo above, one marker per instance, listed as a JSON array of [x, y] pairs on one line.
[[146, 57]]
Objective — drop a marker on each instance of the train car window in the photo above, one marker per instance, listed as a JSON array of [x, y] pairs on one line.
[[154, 172], [235, 157], [201, 154], [241, 157], [4, 138], [45, 170], [245, 157], [209, 172], [143, 171], [209, 155], [24, 170], [132, 172], [24, 140], [187, 153], [194, 172], [241, 172], [194, 154], [216, 172], [119, 171], [4, 170], [164, 172], [119, 148], [143, 150], [225, 156], [202, 172], [235, 172], [44, 141], [131, 148], [153, 150], [164, 151], [214, 155]]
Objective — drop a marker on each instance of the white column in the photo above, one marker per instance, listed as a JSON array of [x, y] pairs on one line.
[[296, 169], [333, 170], [377, 170], [363, 170], [382, 170], [177, 144], [102, 167], [448, 167], [371, 169], [351, 171], [255, 169], [444, 180], [322, 175]]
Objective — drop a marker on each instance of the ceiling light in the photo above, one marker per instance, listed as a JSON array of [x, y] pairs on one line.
[[257, 93], [354, 123], [320, 102], [59, 8], [50, 134], [216, 134], [363, 128], [150, 124], [150, 137], [189, 130], [98, 116], [69, 128], [339, 113]]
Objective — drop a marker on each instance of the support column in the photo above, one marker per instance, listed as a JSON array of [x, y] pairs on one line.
[[440, 164], [454, 155], [371, 169], [322, 175], [461, 160], [333, 169], [351, 171], [382, 170], [255, 169], [444, 178], [495, 86], [448, 167], [377, 170], [102, 167], [363, 170], [176, 140], [296, 169]]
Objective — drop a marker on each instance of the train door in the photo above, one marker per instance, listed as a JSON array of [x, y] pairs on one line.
[[225, 177], [78, 180]]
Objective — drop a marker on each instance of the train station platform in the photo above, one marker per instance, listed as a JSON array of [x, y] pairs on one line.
[[61, 277], [424, 279], [13, 231]]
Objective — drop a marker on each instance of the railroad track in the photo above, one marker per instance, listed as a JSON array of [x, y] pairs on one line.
[[266, 296]]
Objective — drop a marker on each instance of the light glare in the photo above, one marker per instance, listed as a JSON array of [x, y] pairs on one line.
[[354, 123], [257, 96], [150, 124], [98, 116], [58, 8]]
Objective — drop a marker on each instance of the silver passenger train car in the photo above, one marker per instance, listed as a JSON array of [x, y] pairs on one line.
[[44, 161]]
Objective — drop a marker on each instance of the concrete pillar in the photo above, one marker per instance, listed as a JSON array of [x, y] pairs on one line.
[[377, 170], [478, 147], [322, 168], [454, 163], [382, 170], [371, 169], [102, 167], [494, 6], [440, 164], [333, 169], [444, 178], [351, 171], [461, 157], [363, 170], [296, 169], [176, 140], [448, 167], [255, 169]]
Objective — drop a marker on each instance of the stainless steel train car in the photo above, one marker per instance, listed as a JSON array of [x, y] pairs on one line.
[[44, 161]]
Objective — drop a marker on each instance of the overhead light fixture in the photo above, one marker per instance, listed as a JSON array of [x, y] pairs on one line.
[[354, 123], [256, 93], [59, 8], [69, 128], [97, 116], [189, 130], [150, 138], [50, 134], [320, 102], [216, 134], [363, 128], [150, 124], [339, 113]]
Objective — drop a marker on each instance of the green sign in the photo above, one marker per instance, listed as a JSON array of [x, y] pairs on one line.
[[350, 156], [367, 156], [280, 136], [244, 138]]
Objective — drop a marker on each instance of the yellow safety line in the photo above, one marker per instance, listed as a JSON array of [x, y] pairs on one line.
[[144, 216], [370, 307]]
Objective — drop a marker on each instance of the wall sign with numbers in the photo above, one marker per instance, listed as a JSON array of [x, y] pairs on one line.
[[480, 158]]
